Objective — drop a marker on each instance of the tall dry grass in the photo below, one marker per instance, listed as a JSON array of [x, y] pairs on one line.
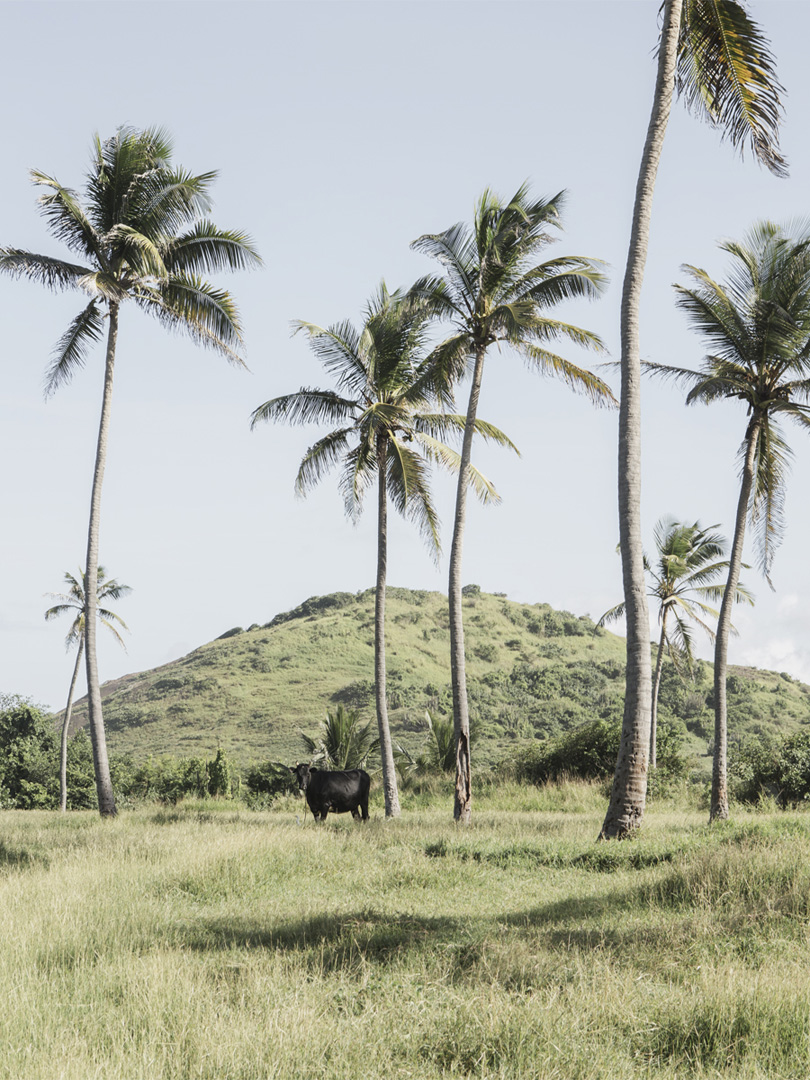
[[208, 942]]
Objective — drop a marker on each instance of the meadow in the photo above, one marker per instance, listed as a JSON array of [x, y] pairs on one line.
[[208, 941]]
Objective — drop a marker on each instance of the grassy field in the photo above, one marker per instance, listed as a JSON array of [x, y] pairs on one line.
[[206, 941]]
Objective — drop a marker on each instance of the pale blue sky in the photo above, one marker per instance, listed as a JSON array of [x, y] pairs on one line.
[[342, 131]]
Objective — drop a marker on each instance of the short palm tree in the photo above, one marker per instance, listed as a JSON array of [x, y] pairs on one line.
[[343, 741], [717, 59], [73, 603], [386, 385], [143, 238], [689, 560], [495, 292], [757, 326]]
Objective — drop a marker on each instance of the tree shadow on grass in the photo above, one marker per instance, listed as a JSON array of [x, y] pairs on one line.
[[334, 940]]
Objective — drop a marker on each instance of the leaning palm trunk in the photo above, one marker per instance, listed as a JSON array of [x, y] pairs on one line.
[[386, 748], [629, 793], [461, 714], [65, 729], [656, 686], [101, 765], [719, 800]]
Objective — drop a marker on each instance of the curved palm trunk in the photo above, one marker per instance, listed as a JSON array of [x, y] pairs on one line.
[[386, 749], [101, 765], [628, 797], [719, 800], [65, 728], [659, 665], [462, 808]]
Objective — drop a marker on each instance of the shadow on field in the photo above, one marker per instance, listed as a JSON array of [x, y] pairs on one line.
[[333, 940]]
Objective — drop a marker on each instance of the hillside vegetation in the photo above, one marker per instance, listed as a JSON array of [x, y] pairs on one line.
[[533, 672]]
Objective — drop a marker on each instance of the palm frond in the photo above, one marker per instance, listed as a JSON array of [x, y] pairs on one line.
[[611, 615], [579, 379], [71, 350], [65, 217], [726, 73], [449, 459], [307, 406], [409, 491], [339, 349], [206, 249], [320, 458], [207, 314], [52, 273]]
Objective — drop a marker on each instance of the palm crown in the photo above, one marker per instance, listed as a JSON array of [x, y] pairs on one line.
[[142, 235], [494, 290], [689, 561], [757, 326], [73, 602], [386, 385]]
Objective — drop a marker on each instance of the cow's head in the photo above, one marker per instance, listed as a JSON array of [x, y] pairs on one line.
[[301, 773]]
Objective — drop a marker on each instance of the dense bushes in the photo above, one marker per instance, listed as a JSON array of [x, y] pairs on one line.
[[589, 752], [778, 769]]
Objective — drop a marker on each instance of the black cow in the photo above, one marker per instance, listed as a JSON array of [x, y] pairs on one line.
[[336, 791]]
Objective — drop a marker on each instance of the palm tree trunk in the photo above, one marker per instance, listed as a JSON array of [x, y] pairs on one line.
[[719, 800], [101, 765], [628, 797], [65, 727], [659, 665], [462, 808], [386, 750]]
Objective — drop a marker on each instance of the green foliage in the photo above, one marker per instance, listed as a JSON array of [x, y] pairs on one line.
[[168, 779], [253, 693], [587, 752], [220, 779], [437, 754], [29, 760], [29, 773], [769, 768], [265, 782], [343, 742]]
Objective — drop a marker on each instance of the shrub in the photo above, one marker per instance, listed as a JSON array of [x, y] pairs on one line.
[[265, 781], [588, 752]]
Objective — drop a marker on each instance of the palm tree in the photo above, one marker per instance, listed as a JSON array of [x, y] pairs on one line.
[[719, 62], [73, 602], [689, 560], [495, 291], [142, 237], [388, 382], [757, 326], [343, 743]]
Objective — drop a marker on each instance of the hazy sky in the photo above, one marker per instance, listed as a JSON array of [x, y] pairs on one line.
[[341, 132]]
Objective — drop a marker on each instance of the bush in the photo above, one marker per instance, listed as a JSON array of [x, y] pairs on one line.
[[265, 782], [782, 770], [589, 752]]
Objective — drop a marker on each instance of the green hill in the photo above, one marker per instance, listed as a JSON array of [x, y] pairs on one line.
[[532, 672]]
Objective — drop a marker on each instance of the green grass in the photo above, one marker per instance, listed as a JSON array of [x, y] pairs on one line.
[[532, 672], [204, 941]]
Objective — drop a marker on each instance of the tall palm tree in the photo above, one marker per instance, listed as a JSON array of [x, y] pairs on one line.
[[142, 237], [385, 384], [757, 326], [720, 63], [495, 291], [689, 559], [73, 602]]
